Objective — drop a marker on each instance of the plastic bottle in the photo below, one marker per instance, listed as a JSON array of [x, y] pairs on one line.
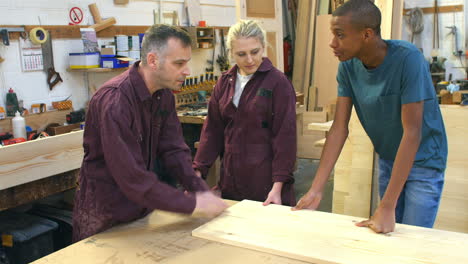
[[19, 126], [11, 103]]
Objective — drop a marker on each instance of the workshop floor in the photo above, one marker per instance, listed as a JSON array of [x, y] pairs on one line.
[[304, 175]]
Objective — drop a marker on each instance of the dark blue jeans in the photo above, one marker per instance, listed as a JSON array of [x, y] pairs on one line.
[[419, 200]]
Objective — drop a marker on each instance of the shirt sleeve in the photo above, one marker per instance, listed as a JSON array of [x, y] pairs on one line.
[[284, 143], [125, 161], [212, 135], [416, 80], [176, 155], [344, 86]]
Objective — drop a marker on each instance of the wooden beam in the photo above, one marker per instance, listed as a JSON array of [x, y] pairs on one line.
[[32, 191], [440, 9]]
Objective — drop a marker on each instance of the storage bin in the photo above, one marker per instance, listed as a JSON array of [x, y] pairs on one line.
[[24, 237]]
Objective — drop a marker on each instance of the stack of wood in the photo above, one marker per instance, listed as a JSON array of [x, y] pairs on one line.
[[303, 50]]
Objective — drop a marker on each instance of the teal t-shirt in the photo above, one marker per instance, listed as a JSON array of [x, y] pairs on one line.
[[379, 93]]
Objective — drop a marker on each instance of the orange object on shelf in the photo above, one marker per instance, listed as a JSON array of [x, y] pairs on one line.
[[2, 113], [63, 105]]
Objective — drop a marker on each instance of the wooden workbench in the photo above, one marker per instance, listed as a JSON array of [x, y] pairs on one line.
[[275, 231], [161, 237], [36, 169]]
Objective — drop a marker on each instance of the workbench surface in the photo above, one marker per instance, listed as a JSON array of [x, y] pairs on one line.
[[161, 237]]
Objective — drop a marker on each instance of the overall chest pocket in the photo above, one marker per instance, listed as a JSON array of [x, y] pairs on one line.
[[382, 108], [263, 108]]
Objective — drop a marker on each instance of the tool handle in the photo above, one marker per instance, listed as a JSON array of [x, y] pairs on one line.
[[52, 74], [95, 13]]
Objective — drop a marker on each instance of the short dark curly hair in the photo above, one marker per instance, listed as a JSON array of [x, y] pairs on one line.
[[156, 37], [364, 14]]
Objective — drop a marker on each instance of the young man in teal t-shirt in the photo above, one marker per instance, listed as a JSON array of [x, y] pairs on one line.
[[389, 84]]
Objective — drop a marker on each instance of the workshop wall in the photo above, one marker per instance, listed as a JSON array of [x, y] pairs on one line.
[[446, 40], [31, 87]]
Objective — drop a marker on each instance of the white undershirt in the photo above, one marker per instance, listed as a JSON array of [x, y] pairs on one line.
[[241, 81]]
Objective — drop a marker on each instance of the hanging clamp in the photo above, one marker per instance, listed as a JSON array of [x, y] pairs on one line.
[[4, 33]]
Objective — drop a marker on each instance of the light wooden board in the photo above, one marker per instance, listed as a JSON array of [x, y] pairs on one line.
[[453, 210], [320, 143], [397, 19], [161, 237], [303, 47], [33, 160], [325, 65], [320, 126], [320, 237], [386, 9]]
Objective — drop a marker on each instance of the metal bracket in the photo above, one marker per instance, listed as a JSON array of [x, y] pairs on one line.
[[4, 33]]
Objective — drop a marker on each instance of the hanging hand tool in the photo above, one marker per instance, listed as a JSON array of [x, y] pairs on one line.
[[212, 61], [415, 21], [454, 31], [4, 34], [223, 59], [53, 77]]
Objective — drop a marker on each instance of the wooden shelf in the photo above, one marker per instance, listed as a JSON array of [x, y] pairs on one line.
[[97, 70], [73, 32]]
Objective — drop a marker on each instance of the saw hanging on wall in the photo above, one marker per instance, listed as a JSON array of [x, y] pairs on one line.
[[53, 77]]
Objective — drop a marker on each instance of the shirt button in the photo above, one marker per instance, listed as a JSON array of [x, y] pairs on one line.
[[158, 97], [230, 79]]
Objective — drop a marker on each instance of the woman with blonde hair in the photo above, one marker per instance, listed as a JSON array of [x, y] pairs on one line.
[[251, 124]]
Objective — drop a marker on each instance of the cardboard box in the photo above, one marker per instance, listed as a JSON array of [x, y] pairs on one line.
[[56, 129], [108, 50], [115, 62]]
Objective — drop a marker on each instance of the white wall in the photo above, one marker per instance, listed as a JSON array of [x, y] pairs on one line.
[[446, 41], [31, 87]]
